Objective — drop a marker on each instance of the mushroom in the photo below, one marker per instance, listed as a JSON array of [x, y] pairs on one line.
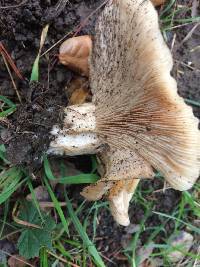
[[74, 53], [136, 121]]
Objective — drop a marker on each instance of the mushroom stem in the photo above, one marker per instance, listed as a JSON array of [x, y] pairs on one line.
[[119, 198], [77, 135]]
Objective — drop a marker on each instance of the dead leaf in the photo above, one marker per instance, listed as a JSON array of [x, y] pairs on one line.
[[78, 91], [18, 261], [144, 254], [181, 244], [41, 194], [78, 97]]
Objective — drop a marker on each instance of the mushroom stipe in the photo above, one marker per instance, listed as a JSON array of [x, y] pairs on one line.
[[136, 121]]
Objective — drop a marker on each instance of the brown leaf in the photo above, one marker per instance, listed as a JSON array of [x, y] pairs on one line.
[[78, 91], [18, 261], [41, 194], [78, 97], [183, 241], [144, 254]]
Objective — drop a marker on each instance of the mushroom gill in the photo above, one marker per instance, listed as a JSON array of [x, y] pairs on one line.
[[137, 106], [136, 120]]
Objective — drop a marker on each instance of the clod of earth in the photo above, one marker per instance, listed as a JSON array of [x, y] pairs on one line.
[[136, 121]]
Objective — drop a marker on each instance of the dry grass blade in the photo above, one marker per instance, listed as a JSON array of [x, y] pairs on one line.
[[4, 52], [19, 221], [11, 77], [35, 69], [63, 260]]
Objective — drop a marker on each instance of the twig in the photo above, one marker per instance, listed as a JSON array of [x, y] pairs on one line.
[[63, 260], [10, 61], [189, 35], [10, 234], [14, 6], [13, 256], [197, 262], [48, 204], [194, 12], [161, 190], [186, 65], [76, 29], [11, 77], [173, 42], [82, 24], [19, 221]]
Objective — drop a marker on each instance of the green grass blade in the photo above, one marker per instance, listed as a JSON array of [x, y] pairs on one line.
[[57, 206], [192, 227], [3, 154], [11, 107], [7, 101], [80, 229], [10, 182], [7, 112], [35, 70], [192, 102], [6, 210], [47, 169], [35, 201], [83, 178]]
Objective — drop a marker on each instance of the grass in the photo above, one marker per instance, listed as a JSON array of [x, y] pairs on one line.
[[74, 239]]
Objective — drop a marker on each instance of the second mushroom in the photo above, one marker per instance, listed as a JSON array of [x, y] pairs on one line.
[[136, 122]]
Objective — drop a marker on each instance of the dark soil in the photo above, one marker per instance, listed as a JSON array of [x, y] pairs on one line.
[[186, 61], [27, 136]]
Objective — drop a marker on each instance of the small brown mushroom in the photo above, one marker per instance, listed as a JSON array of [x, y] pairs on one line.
[[136, 119], [74, 53]]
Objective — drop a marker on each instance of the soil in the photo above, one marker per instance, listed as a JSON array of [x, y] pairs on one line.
[[27, 135], [186, 62]]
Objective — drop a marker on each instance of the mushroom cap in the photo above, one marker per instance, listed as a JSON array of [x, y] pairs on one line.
[[137, 104], [74, 53]]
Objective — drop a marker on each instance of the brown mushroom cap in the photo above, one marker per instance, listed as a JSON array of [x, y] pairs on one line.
[[74, 53], [136, 99]]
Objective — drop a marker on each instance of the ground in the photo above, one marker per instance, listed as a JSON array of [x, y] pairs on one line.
[[156, 215]]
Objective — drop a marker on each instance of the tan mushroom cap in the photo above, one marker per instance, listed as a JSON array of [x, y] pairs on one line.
[[137, 111], [136, 99]]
